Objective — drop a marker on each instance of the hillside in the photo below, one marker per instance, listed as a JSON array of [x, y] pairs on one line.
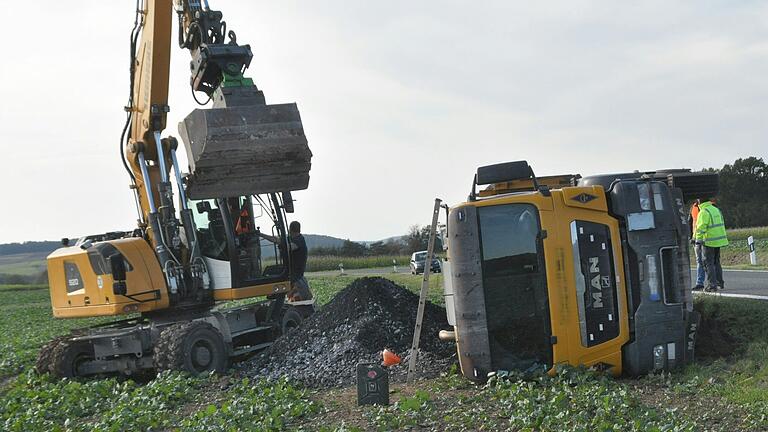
[[319, 240]]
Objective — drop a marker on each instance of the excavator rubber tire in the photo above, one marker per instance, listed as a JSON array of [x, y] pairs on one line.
[[194, 346], [290, 319], [67, 355], [45, 356]]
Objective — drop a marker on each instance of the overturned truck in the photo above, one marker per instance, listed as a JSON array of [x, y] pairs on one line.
[[558, 270]]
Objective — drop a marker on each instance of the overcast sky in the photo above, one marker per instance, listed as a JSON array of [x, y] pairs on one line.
[[401, 100]]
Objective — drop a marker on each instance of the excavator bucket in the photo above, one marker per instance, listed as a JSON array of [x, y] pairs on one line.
[[245, 150]]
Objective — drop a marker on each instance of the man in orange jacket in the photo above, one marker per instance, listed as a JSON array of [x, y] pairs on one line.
[[698, 248]]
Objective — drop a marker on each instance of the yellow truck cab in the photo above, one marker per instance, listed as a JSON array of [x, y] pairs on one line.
[[568, 270]]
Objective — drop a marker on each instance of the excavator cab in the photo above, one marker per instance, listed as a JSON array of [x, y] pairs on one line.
[[239, 261]]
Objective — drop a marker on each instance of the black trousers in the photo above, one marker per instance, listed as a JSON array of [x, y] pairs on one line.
[[714, 269]]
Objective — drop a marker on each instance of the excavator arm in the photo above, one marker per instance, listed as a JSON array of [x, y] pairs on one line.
[[241, 146], [242, 154]]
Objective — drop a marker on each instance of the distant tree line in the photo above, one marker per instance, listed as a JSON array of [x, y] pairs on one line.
[[743, 195], [416, 239]]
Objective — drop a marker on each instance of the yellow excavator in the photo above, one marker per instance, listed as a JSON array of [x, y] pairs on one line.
[[571, 270], [166, 276]]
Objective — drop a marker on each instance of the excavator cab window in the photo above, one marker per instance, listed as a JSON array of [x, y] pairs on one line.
[[229, 231], [211, 232], [260, 259], [247, 243]]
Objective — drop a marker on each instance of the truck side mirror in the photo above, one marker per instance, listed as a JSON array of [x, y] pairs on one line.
[[117, 264], [288, 202]]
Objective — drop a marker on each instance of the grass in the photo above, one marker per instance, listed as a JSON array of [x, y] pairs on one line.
[[325, 287], [743, 233], [726, 390], [172, 401], [574, 400], [736, 254], [32, 264], [27, 323]]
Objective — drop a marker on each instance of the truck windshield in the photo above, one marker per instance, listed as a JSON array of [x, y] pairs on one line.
[[515, 285]]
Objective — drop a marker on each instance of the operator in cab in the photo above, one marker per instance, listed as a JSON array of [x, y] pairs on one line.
[[300, 294]]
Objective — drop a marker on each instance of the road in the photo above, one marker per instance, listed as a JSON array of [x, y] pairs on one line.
[[743, 283], [737, 282]]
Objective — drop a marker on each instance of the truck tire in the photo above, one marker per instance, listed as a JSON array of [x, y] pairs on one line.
[[68, 355], [195, 347], [290, 319]]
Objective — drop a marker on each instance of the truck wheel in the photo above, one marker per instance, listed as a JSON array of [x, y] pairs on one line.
[[195, 347], [290, 320], [67, 357]]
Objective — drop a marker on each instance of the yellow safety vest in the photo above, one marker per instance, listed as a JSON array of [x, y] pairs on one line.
[[710, 227]]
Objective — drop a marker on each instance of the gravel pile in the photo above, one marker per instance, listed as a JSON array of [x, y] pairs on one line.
[[364, 318]]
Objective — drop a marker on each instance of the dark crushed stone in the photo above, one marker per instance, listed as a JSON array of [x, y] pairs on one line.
[[367, 316]]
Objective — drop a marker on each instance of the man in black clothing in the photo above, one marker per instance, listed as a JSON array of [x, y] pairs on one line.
[[298, 257]]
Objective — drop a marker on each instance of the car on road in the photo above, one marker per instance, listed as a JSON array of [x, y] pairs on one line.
[[418, 260]]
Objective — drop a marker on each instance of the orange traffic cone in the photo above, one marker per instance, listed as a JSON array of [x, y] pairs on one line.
[[390, 358]]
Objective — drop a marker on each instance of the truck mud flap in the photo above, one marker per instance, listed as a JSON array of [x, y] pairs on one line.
[[245, 150]]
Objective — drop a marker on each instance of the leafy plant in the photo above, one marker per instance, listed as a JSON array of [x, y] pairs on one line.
[[253, 406]]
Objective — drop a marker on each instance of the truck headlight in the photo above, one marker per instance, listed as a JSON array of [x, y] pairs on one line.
[[653, 277]]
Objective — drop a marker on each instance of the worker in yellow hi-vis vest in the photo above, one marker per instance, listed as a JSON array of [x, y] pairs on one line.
[[710, 233]]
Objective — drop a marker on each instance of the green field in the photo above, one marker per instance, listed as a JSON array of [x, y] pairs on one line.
[[331, 262], [25, 264], [34, 264], [717, 394], [736, 254]]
